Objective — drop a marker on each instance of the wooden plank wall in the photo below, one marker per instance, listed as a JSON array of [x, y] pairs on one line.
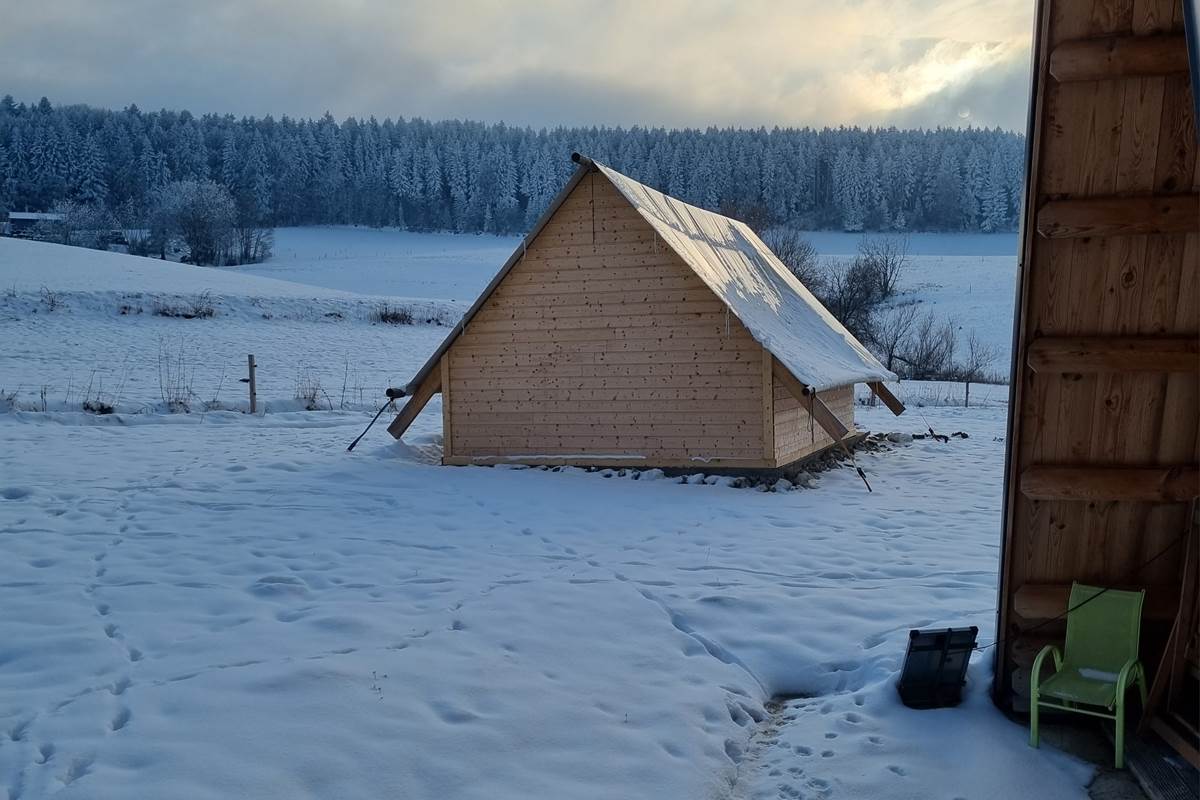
[[796, 435], [602, 341], [1128, 135]]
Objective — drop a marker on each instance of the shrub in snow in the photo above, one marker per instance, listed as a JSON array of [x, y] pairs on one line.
[[696, 477], [202, 213], [51, 299], [392, 315], [310, 393], [782, 485], [653, 475]]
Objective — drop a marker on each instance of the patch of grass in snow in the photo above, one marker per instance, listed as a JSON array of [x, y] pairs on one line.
[[51, 299], [389, 314], [175, 378], [199, 307], [310, 393]]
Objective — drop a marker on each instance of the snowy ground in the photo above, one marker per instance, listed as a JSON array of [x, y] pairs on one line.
[[387, 261], [218, 605]]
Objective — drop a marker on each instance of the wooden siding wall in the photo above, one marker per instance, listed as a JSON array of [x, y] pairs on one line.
[[796, 434], [602, 341], [1123, 135]]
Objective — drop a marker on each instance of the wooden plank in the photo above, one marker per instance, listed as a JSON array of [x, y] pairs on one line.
[[447, 422], [645, 461], [723, 446], [601, 299], [494, 361], [479, 346], [678, 332], [1100, 484], [886, 397], [1036, 603], [647, 323], [486, 383], [1114, 354], [740, 371], [542, 406], [1118, 57], [516, 310], [428, 388], [474, 428], [768, 405], [527, 395], [1119, 216]]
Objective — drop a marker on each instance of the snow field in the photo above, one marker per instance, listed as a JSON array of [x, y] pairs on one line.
[[240, 592]]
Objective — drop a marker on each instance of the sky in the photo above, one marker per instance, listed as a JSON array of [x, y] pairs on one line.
[[673, 63]]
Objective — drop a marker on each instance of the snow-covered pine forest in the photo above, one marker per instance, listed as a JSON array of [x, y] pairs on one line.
[[470, 176]]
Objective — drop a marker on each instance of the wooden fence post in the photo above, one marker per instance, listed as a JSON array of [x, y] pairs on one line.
[[253, 390]]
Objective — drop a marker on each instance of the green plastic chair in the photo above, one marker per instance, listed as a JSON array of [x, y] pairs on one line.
[[1099, 664]]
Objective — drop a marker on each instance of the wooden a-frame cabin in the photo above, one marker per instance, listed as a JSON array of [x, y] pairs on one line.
[[1101, 475], [632, 329]]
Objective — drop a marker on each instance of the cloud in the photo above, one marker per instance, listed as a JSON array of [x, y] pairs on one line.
[[672, 62]]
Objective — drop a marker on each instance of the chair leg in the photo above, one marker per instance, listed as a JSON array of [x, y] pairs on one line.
[[1119, 744], [1034, 736]]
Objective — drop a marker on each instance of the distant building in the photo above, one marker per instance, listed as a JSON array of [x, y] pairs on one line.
[[23, 223]]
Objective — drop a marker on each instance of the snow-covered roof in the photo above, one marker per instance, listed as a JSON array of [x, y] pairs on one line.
[[780, 313], [34, 215], [777, 309]]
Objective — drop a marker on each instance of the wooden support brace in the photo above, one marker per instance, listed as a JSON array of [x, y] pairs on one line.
[[419, 399], [813, 404], [1090, 354], [1119, 57], [1101, 484], [1119, 216], [886, 397]]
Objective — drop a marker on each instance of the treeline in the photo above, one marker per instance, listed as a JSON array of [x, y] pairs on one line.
[[470, 176]]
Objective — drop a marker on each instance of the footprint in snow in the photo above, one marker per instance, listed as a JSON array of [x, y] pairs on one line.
[[120, 720]]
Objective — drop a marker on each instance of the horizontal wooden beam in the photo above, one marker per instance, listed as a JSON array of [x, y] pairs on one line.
[[1114, 354], [419, 399], [1119, 216], [886, 397], [1138, 484], [1119, 57], [1038, 602]]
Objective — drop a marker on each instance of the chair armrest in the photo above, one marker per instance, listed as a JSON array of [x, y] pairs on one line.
[[1036, 674], [1128, 671]]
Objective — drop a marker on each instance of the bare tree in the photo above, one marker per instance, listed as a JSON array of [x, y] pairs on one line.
[[799, 255], [849, 294], [929, 353], [980, 356], [887, 258], [891, 332]]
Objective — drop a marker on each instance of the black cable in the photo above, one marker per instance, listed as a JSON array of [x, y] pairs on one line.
[[1046, 622]]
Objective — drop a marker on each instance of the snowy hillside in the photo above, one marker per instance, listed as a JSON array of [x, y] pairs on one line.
[[89, 325], [215, 605]]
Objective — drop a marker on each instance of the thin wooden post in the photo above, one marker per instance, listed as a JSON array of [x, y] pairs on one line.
[[253, 389]]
